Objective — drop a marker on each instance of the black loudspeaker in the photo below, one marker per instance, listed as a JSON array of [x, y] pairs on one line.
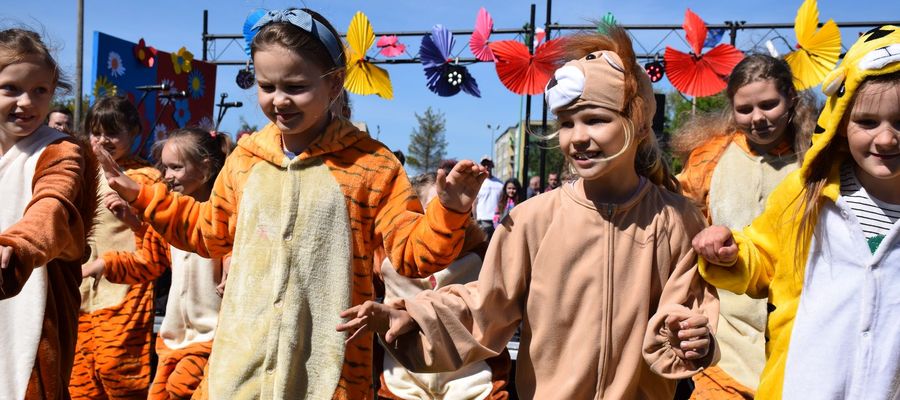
[[659, 118]]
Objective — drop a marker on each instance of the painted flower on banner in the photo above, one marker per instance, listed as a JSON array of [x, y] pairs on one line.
[[196, 84], [169, 84], [103, 87], [182, 113], [206, 123], [114, 63], [160, 132], [146, 55], [181, 60]]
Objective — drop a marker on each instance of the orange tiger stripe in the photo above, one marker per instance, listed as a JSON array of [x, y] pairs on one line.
[[389, 216], [180, 371]]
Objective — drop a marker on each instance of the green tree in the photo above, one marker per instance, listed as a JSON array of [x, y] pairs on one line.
[[679, 109], [246, 127], [427, 145]]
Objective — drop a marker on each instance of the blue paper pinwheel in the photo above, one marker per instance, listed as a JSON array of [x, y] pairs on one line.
[[445, 76]]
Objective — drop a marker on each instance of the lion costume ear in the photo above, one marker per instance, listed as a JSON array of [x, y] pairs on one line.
[[566, 86]]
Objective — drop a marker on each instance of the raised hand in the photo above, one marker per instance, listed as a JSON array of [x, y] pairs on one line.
[[388, 321], [716, 245], [457, 190], [118, 181], [688, 335], [121, 210]]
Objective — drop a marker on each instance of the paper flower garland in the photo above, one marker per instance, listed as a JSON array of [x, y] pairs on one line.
[[817, 51], [524, 73], [390, 46], [363, 77], [698, 74], [478, 42], [444, 76]]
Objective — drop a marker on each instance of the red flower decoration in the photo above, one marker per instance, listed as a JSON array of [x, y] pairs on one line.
[[146, 56]]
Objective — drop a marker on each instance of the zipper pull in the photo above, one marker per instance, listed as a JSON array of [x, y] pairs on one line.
[[610, 210]]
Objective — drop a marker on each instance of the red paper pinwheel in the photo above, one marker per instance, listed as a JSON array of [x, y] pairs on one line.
[[145, 55], [390, 46], [478, 42], [698, 74], [524, 73]]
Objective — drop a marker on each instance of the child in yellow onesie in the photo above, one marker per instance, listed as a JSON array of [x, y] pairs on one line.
[[302, 205], [735, 161], [825, 249]]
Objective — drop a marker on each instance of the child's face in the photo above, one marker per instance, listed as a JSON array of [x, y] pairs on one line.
[[26, 89], [182, 175], [762, 112], [117, 144], [510, 190], [292, 90], [873, 131], [588, 135]]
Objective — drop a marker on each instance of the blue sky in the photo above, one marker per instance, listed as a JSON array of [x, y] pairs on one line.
[[170, 24]]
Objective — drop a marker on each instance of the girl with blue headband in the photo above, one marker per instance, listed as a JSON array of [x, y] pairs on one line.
[[301, 205]]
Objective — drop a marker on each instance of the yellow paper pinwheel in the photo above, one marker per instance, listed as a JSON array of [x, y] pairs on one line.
[[362, 76], [817, 51]]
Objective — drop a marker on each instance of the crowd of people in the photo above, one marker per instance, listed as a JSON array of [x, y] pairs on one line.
[[304, 263]]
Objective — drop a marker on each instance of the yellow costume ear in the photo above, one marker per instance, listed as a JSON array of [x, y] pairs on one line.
[[833, 81]]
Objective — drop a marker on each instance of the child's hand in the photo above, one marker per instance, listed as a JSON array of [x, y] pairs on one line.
[[226, 265], [6, 254], [389, 322], [688, 335], [716, 244], [93, 269], [118, 181], [458, 189], [124, 212]]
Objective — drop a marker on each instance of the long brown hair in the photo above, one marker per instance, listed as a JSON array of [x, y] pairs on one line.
[[753, 68], [640, 104]]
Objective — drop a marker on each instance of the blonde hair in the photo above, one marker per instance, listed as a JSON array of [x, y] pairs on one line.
[[640, 105]]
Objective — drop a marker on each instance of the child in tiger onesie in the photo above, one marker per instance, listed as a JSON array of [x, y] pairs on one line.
[[302, 204], [49, 195], [113, 353]]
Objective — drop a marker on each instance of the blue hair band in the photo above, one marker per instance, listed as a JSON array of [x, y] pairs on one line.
[[306, 22]]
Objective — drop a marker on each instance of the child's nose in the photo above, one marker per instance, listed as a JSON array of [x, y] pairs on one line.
[[24, 100], [887, 136]]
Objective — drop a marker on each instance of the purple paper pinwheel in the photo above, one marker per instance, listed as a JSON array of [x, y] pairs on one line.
[[445, 76]]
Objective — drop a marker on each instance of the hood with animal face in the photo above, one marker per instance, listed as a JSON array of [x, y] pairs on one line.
[[877, 52]]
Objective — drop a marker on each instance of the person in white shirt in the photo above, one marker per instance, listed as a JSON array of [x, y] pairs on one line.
[[487, 199]]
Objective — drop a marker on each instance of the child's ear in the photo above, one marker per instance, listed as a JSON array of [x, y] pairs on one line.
[[337, 82]]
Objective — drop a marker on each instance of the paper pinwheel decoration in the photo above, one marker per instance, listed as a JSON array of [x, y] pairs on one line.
[[145, 55], [363, 77], [390, 46], [697, 74], [478, 43], [248, 31], [817, 51], [655, 70], [523, 73], [445, 77]]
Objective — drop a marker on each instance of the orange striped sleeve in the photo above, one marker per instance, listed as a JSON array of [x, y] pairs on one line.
[[206, 228], [148, 262], [419, 245]]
